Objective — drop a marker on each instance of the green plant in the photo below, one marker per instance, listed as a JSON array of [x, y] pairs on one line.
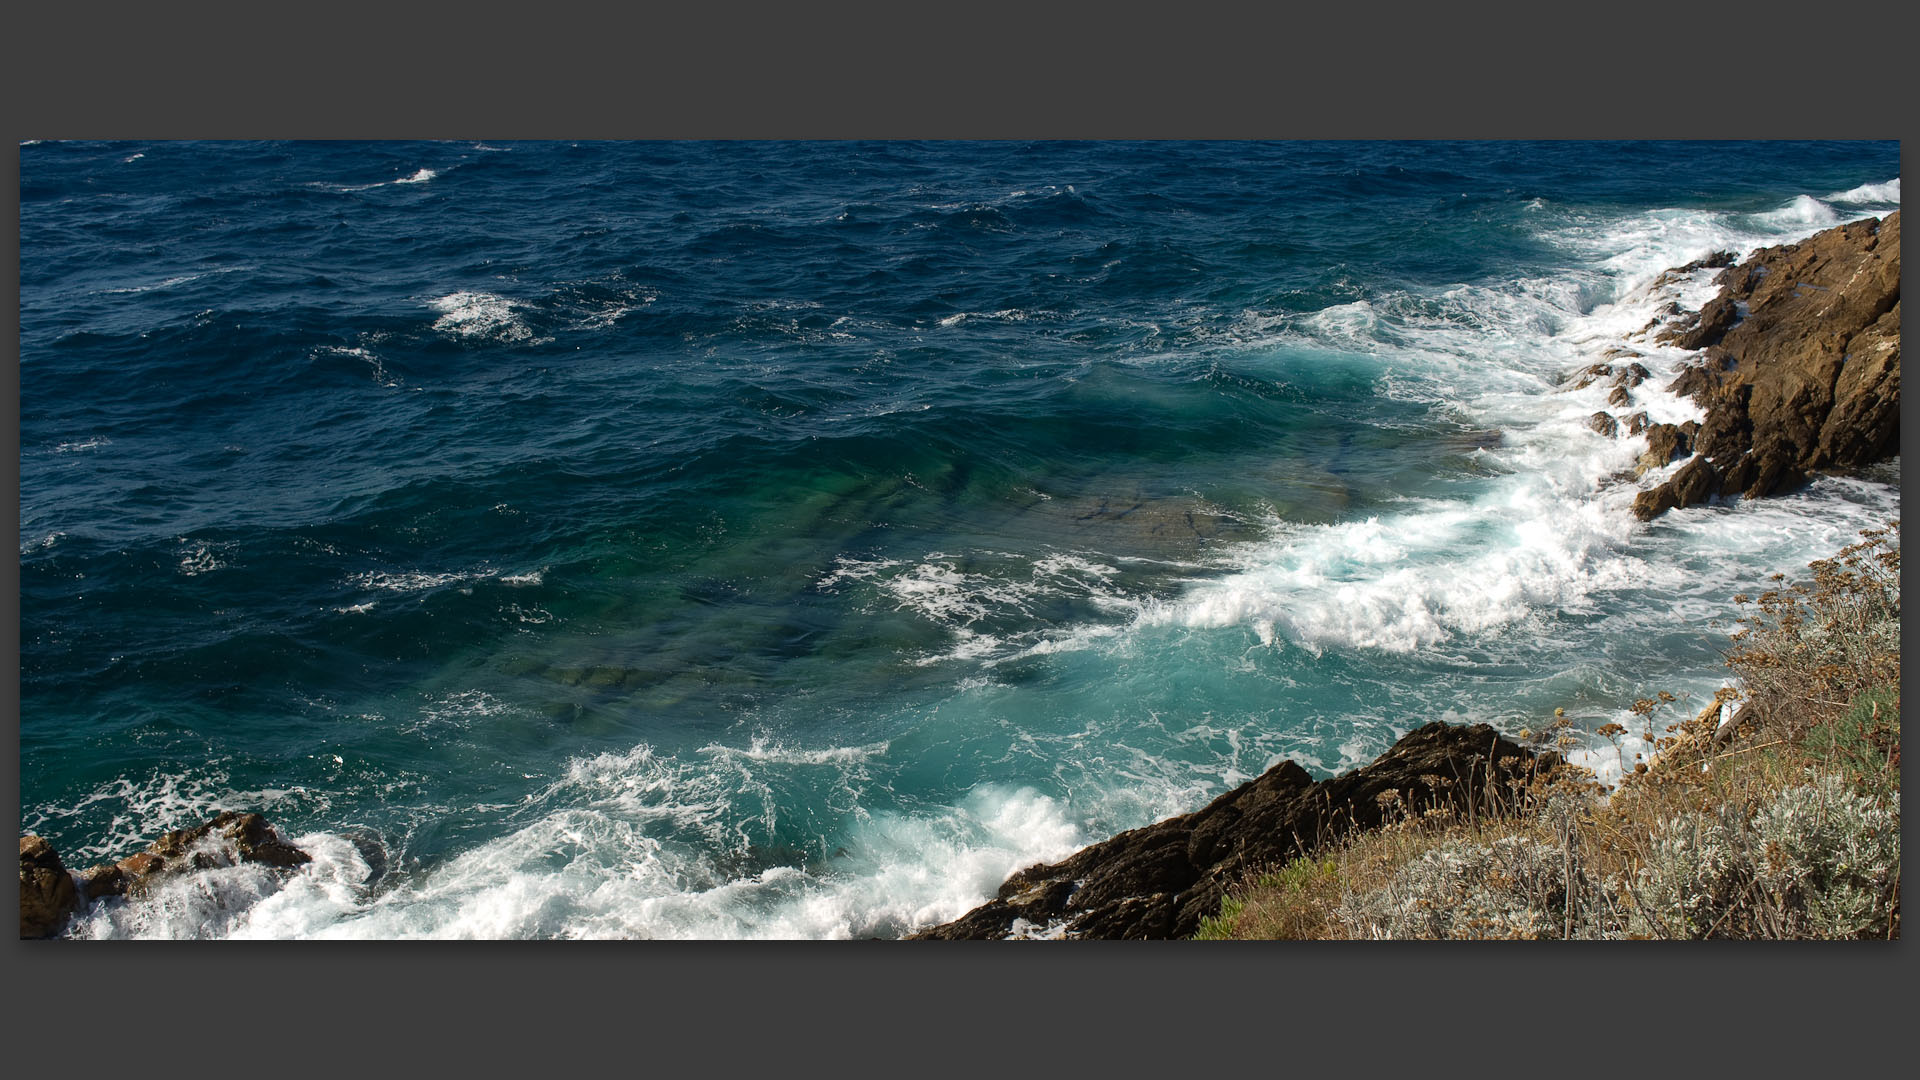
[[1221, 927]]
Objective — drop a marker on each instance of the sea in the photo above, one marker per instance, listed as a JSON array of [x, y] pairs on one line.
[[788, 540]]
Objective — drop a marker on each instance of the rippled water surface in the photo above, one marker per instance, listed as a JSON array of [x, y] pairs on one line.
[[792, 539]]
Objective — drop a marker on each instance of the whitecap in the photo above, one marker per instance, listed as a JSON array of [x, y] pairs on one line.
[[479, 315], [1869, 194]]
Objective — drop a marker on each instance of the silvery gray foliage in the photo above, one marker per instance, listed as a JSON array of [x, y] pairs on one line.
[[1838, 851], [1818, 861], [1512, 888]]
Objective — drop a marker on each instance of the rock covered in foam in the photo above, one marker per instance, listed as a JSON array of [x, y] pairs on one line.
[[229, 838], [1162, 880], [47, 893], [1801, 370]]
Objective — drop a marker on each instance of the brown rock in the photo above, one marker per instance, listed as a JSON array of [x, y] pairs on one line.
[[47, 895], [1712, 324], [229, 838], [1619, 398], [1638, 423], [1696, 482], [1161, 880], [1809, 379], [1604, 423], [1864, 424], [1664, 443], [1693, 382], [1591, 374], [1717, 259]]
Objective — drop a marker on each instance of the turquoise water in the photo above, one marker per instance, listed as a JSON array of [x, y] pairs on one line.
[[791, 540]]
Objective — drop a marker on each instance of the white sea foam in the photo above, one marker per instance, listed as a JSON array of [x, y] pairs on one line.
[[418, 176], [141, 809], [200, 559], [1803, 210], [1010, 315], [94, 443], [1887, 194], [480, 316], [1554, 531], [421, 580], [457, 711], [375, 366], [599, 860], [764, 749], [604, 314], [415, 581]]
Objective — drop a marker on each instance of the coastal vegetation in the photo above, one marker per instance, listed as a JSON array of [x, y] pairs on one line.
[[1773, 812]]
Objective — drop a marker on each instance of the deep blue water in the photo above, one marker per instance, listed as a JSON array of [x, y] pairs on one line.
[[792, 539]]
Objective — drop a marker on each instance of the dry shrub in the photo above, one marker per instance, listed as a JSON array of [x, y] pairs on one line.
[[1809, 650]]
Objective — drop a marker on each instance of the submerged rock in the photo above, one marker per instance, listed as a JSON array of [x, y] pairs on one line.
[[47, 894], [1801, 371], [1162, 880]]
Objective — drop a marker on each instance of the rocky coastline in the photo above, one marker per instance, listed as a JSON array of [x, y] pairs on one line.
[[1799, 372]]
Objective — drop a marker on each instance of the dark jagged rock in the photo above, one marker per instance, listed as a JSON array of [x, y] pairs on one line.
[[1162, 880], [1604, 423], [1619, 398], [1638, 423], [47, 895], [229, 838], [1807, 380]]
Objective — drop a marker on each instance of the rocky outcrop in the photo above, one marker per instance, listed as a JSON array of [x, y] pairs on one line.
[[47, 895], [229, 838], [1801, 369], [1162, 880]]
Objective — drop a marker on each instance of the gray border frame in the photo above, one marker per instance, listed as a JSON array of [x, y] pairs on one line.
[[982, 71]]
